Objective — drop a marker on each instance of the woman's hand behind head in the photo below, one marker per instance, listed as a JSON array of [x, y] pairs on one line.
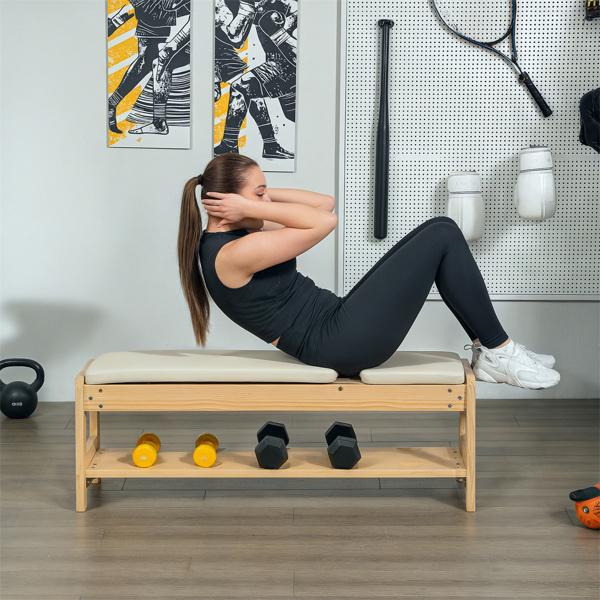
[[230, 209]]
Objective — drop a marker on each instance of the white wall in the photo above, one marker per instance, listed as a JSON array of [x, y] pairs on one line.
[[89, 233]]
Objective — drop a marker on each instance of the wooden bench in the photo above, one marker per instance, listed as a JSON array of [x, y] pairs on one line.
[[271, 381]]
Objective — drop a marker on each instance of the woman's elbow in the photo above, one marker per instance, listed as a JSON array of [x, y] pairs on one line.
[[328, 203], [332, 220], [326, 224]]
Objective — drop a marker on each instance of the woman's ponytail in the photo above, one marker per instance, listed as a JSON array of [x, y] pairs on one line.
[[188, 243], [226, 173]]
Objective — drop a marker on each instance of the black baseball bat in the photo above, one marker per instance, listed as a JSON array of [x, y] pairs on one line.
[[382, 145]]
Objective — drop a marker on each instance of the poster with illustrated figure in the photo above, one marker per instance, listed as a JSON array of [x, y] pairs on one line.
[[148, 73], [255, 80]]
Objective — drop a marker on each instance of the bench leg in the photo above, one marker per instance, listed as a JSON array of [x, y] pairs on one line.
[[80, 448], [466, 443], [80, 466], [467, 450]]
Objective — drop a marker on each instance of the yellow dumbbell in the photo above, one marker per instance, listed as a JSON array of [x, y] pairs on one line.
[[205, 453], [146, 450]]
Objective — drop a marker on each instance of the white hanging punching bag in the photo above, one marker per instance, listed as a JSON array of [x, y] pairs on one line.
[[535, 193], [465, 203]]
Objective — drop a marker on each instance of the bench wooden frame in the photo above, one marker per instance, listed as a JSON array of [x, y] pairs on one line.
[[94, 462]]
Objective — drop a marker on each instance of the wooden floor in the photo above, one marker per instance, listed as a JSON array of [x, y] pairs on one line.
[[312, 539]]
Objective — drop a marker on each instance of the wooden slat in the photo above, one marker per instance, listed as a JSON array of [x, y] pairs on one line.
[[303, 463], [343, 395], [81, 457]]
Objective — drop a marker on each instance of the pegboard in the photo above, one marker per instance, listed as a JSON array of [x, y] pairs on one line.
[[455, 107]]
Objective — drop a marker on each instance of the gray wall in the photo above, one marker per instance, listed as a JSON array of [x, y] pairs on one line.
[[89, 233]]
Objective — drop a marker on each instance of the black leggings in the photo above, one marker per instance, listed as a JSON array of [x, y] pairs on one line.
[[375, 316]]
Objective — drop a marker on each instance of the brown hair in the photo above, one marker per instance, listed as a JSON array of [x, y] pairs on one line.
[[227, 174]]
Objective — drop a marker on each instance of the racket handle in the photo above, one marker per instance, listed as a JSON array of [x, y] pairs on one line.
[[546, 110]]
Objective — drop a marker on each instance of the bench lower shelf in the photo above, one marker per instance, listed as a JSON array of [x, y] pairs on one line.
[[303, 463]]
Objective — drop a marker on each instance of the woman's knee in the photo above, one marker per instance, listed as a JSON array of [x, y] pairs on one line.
[[446, 232], [447, 220], [447, 226]]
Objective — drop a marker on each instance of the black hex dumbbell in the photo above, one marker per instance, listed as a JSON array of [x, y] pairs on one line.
[[342, 447], [271, 451]]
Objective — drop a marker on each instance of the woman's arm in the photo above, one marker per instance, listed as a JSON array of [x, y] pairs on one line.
[[303, 227], [313, 199]]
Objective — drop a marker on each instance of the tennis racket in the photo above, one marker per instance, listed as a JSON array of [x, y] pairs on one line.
[[493, 20]]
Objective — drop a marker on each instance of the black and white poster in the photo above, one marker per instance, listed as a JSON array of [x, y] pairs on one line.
[[255, 80]]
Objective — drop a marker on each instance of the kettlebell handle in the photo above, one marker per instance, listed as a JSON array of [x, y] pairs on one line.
[[24, 362]]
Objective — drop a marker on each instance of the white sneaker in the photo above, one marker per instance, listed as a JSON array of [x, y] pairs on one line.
[[546, 360], [513, 366]]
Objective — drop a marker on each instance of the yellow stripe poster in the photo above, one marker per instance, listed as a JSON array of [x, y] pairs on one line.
[[148, 44]]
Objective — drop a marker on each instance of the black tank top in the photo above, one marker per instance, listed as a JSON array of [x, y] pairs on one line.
[[273, 301]]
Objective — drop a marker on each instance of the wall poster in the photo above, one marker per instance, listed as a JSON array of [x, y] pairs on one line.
[[255, 80], [148, 73]]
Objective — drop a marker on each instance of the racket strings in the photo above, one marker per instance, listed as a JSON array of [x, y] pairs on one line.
[[485, 22]]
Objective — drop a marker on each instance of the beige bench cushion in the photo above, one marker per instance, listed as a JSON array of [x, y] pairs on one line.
[[267, 366], [196, 366], [406, 368]]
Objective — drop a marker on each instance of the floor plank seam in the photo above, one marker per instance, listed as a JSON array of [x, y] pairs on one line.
[[569, 517]]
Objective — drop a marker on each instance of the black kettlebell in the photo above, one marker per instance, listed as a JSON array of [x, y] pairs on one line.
[[19, 399]]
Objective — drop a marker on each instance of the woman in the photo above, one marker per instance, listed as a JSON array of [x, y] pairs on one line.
[[248, 258]]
